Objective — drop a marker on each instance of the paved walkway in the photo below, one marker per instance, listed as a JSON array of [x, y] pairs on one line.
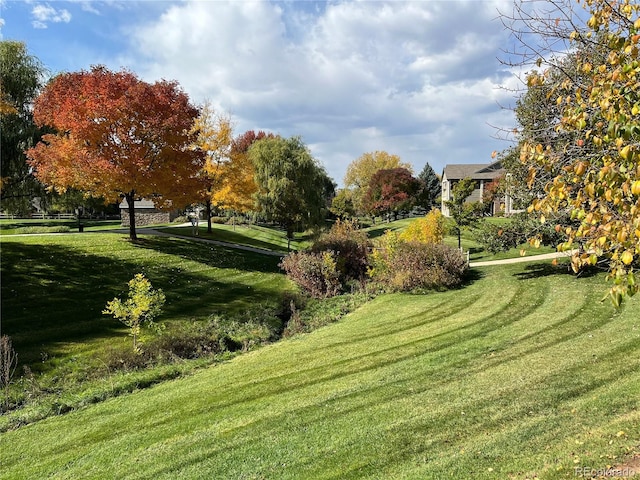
[[528, 258]]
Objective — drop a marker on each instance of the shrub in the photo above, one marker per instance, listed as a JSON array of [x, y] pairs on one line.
[[428, 229], [241, 331], [181, 219], [237, 220], [496, 238], [35, 230], [407, 266], [382, 254], [318, 313], [521, 227], [316, 273], [350, 247], [252, 328], [192, 340], [8, 364]]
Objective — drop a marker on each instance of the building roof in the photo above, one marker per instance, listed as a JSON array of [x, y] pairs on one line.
[[143, 203], [476, 171]]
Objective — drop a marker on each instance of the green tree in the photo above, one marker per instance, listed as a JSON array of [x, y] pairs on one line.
[[21, 77], [342, 204], [463, 213], [293, 188], [430, 188]]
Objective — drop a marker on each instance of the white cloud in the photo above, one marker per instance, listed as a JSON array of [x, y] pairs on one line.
[[419, 79], [88, 6], [45, 13]]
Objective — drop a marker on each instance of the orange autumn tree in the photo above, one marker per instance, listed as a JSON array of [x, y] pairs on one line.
[[117, 136]]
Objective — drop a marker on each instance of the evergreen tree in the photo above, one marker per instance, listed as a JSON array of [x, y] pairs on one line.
[[430, 188]]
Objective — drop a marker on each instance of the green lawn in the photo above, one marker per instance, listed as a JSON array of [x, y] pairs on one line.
[[248, 235], [521, 374], [22, 226], [381, 227], [54, 288]]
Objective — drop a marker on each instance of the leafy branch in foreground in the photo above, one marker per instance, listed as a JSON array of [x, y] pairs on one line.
[[591, 142]]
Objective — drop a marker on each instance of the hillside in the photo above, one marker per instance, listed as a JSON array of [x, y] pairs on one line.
[[522, 373]]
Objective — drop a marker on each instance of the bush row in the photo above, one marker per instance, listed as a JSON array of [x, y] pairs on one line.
[[54, 229], [344, 257]]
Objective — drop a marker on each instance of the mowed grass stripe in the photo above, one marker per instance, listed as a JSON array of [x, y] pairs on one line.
[[515, 384]]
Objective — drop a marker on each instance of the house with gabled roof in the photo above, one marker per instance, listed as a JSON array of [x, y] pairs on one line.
[[483, 174]]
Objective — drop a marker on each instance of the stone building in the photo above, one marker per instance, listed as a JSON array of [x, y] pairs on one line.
[[146, 213]]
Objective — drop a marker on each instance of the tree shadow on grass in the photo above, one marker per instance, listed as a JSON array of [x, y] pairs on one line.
[[54, 294], [379, 230], [538, 270], [475, 253], [472, 275], [211, 254], [230, 237]]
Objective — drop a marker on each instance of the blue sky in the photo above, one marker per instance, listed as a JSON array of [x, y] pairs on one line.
[[419, 79]]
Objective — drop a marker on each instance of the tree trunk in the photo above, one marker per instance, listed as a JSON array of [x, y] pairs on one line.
[[130, 197], [208, 206], [289, 237]]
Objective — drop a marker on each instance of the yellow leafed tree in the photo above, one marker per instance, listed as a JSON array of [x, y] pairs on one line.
[[237, 184], [215, 138], [597, 174], [428, 229]]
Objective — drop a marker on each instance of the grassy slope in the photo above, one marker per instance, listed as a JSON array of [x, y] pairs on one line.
[[54, 289], [65, 281], [521, 373], [249, 235]]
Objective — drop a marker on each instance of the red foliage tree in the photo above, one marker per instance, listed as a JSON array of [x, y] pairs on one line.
[[390, 191], [242, 142], [117, 136]]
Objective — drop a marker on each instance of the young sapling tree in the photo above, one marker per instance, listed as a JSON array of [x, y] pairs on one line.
[[144, 303]]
